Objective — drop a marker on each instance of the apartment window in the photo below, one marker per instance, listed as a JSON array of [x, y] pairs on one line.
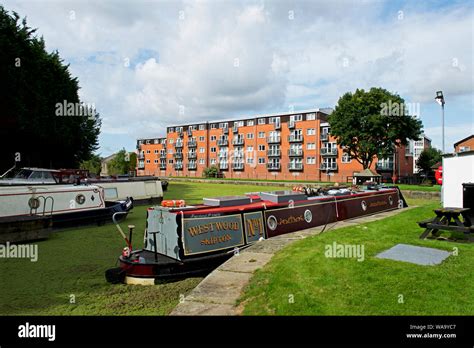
[[201, 138], [261, 121], [202, 161], [170, 151], [223, 125], [147, 161], [179, 129], [298, 118], [170, 130], [261, 135], [273, 120], [261, 160], [170, 161], [213, 138], [213, 149], [156, 151], [213, 126], [202, 127], [464, 148], [310, 160], [250, 123], [171, 141], [311, 131], [310, 117], [156, 161], [249, 135], [213, 161], [311, 146], [147, 151], [249, 148], [250, 160], [261, 147], [202, 150], [346, 158], [239, 124]]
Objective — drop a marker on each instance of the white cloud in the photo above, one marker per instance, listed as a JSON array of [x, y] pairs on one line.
[[221, 58]]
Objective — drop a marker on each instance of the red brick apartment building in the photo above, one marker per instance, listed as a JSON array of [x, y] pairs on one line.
[[466, 144], [284, 146]]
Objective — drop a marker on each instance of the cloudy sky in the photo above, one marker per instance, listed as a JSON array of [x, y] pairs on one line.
[[149, 64]]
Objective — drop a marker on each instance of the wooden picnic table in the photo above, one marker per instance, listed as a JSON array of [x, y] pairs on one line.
[[449, 219]]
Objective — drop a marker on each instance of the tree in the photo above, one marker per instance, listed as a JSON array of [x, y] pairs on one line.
[[210, 172], [34, 85], [93, 165], [369, 124], [121, 163], [428, 158]]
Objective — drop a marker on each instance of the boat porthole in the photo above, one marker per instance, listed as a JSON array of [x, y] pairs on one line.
[[400, 204], [272, 223], [308, 216], [363, 204], [80, 199], [96, 190], [34, 203], [390, 200]]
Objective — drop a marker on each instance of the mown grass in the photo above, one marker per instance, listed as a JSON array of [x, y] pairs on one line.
[[300, 280], [434, 188], [72, 263]]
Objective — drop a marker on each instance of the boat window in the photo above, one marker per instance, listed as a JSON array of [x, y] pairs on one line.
[[24, 174], [36, 175], [110, 192]]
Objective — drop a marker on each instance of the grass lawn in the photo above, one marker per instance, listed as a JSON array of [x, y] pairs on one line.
[[300, 280], [73, 262], [434, 188]]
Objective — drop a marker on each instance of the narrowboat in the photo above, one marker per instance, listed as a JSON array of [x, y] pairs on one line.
[[185, 240]]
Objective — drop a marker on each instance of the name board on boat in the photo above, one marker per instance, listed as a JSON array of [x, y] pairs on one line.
[[254, 228], [207, 234]]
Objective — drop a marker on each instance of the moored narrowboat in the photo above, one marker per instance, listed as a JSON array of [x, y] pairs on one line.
[[185, 240]]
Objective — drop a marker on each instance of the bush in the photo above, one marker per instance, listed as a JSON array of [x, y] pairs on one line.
[[211, 172]]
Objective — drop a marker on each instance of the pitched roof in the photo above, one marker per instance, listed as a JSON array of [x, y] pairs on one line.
[[463, 140], [366, 172]]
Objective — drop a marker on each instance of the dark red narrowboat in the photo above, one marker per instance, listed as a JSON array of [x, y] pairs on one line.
[[186, 240]]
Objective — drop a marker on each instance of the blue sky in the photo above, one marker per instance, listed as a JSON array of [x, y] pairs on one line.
[[139, 62]]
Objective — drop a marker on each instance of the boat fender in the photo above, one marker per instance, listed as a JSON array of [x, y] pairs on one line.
[[173, 203]]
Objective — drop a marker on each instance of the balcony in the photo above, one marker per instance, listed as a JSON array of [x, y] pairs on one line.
[[328, 166], [238, 154], [223, 165], [192, 143], [384, 166], [324, 136], [178, 144], [238, 166], [141, 165], [178, 166], [273, 166], [295, 138], [163, 166], [295, 166], [222, 142], [192, 155], [276, 139], [295, 152], [141, 156], [238, 141], [328, 151], [291, 124], [162, 154], [178, 155], [274, 153], [192, 166], [225, 130], [181, 134]]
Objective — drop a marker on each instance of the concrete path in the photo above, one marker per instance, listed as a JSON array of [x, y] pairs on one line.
[[218, 292]]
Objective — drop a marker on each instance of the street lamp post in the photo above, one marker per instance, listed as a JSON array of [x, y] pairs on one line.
[[440, 100]]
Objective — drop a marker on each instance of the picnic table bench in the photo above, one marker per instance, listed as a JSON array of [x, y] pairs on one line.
[[449, 219]]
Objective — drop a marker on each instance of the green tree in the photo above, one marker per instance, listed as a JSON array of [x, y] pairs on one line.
[[369, 124], [133, 162], [210, 172], [33, 84], [428, 158], [121, 163], [93, 165]]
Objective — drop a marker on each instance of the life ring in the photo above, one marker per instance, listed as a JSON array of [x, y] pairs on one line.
[[173, 203]]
